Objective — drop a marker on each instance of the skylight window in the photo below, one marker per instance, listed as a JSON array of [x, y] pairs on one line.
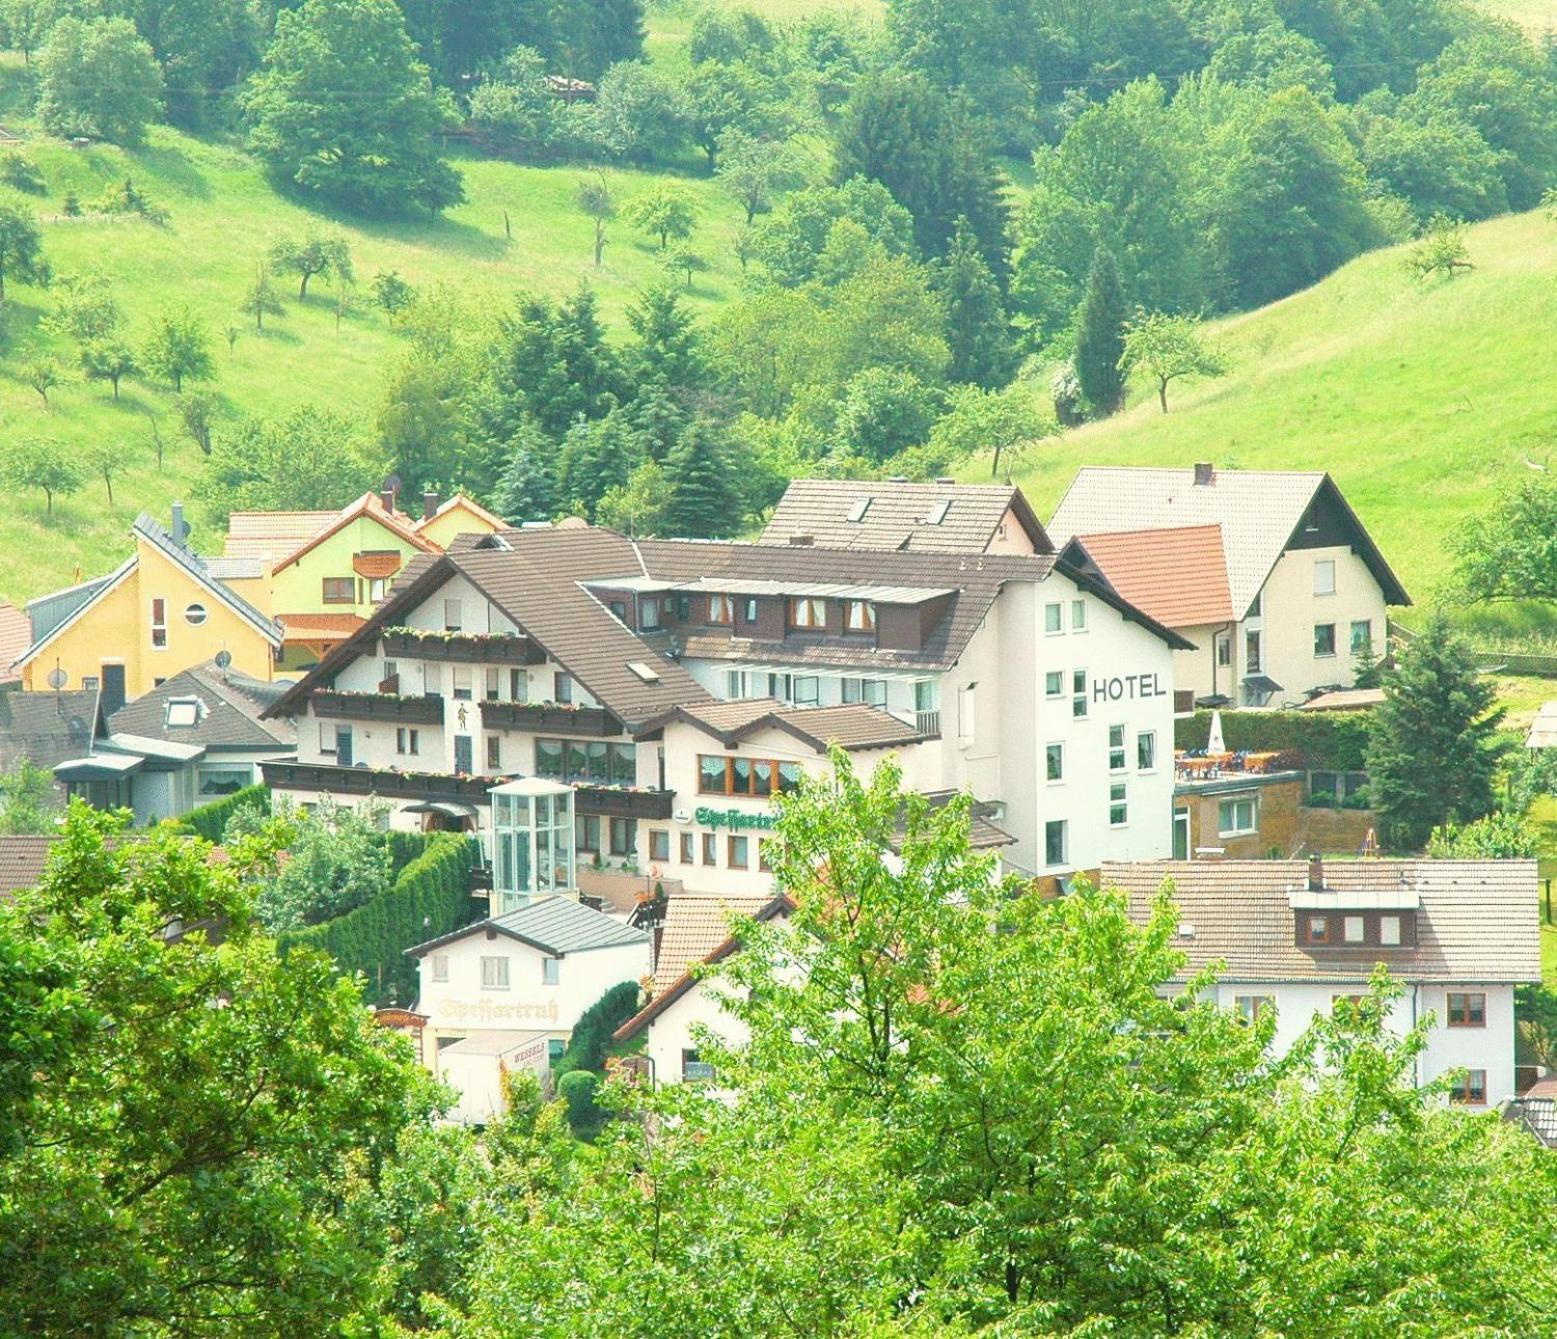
[[183, 711], [645, 672], [937, 513], [858, 510]]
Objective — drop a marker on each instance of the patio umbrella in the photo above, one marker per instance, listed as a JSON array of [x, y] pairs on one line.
[[1215, 744]]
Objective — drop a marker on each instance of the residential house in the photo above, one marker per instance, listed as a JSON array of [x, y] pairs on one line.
[[1299, 937], [47, 728], [1270, 575], [563, 654], [161, 611], [444, 522], [939, 517]]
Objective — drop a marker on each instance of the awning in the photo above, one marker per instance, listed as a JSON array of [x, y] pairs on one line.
[[1261, 683], [166, 750], [99, 767], [1213, 700], [448, 808]]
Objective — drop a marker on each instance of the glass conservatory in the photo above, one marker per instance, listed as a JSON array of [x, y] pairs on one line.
[[532, 842]]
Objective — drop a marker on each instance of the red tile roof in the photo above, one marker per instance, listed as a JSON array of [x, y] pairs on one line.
[[1176, 576], [15, 638]]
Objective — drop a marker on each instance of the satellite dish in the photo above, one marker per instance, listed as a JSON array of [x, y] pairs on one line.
[[58, 678], [223, 659]]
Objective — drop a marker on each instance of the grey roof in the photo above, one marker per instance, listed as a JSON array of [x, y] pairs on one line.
[[230, 707], [1477, 920], [47, 728], [151, 530], [1258, 510], [896, 515], [854, 725], [822, 590], [50, 613], [554, 925]]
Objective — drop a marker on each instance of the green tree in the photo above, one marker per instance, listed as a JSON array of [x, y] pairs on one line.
[[1495, 836], [1440, 250], [21, 246], [596, 456], [1100, 323], [243, 1115], [1433, 746], [976, 327], [109, 360], [883, 411], [1505, 552], [315, 252], [638, 507], [977, 420], [1167, 348], [106, 460], [665, 350], [179, 348], [305, 461], [98, 77], [527, 488], [705, 501], [337, 860], [664, 212], [344, 110], [260, 299], [43, 375], [44, 464], [197, 414], [595, 199], [756, 171], [26, 24], [640, 114], [85, 308], [29, 800], [790, 242]]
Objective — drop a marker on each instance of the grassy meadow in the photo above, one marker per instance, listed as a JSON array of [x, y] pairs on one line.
[[1420, 398]]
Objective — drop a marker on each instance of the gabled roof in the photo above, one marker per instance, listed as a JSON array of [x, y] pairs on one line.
[[1477, 920], [230, 712], [1179, 576], [679, 985], [463, 502], [46, 728], [555, 926], [915, 517], [180, 556], [855, 725], [57, 610], [370, 506], [1259, 511], [268, 536]]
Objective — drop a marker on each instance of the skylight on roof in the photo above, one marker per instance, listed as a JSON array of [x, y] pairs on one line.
[[858, 510], [183, 711], [645, 672], [937, 513]]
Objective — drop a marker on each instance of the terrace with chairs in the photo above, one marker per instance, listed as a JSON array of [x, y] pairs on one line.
[[1201, 765]]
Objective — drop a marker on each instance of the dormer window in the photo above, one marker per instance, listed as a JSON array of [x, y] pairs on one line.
[[808, 613], [860, 616], [721, 610]]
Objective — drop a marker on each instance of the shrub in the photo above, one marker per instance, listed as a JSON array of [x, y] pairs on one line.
[[210, 820], [591, 1038], [20, 173], [577, 1091], [1328, 741]]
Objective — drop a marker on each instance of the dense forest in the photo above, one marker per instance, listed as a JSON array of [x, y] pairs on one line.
[[963, 227]]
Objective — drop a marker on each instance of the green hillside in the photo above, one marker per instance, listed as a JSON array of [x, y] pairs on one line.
[[1417, 397], [223, 212]]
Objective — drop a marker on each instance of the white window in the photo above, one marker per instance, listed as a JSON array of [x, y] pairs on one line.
[[518, 685], [1054, 618], [1054, 683], [1250, 1007], [1146, 750], [452, 617], [550, 971], [195, 614], [1362, 637], [1116, 748], [1352, 931], [965, 711], [184, 711], [805, 612], [808, 690], [1389, 930], [648, 614], [494, 683], [1238, 816], [860, 616], [1224, 649], [1078, 615], [494, 974], [1324, 576], [408, 740], [159, 624], [872, 691], [1054, 764], [1251, 650], [440, 966], [1118, 806], [378, 588], [326, 737], [1078, 691], [463, 683], [1055, 842]]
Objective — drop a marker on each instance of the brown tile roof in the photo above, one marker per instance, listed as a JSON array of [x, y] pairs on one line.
[[271, 535], [21, 862], [897, 516], [1177, 576], [856, 725], [1477, 920], [320, 627], [15, 638], [695, 925]]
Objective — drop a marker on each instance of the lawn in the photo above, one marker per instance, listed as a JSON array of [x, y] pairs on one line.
[[1535, 16], [1418, 397], [223, 212]]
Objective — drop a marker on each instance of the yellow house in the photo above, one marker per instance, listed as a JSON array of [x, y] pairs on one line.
[[158, 613], [460, 515]]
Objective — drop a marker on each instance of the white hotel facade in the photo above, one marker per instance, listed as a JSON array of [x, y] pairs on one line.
[[671, 690]]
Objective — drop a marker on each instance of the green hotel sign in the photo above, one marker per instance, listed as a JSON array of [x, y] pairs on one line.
[[734, 819]]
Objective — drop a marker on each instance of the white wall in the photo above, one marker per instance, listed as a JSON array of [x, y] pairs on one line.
[[672, 1032], [1291, 609]]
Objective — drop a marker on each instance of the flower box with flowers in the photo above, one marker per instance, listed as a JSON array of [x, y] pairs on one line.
[[492, 648], [425, 710], [562, 718]]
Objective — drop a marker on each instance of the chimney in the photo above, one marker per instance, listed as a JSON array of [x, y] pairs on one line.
[[946, 483], [1316, 874], [800, 541], [430, 503], [180, 529], [387, 497], [1205, 474], [897, 478]]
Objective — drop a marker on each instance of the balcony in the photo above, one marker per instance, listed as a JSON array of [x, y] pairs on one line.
[[928, 723], [378, 707], [369, 781], [550, 718], [608, 802], [490, 648]]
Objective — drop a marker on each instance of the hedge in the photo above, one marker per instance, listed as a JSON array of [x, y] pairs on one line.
[[210, 820], [591, 1038], [1329, 740], [429, 897]]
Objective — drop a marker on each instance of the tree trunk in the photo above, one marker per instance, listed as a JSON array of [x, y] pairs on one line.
[[302, 288], [1162, 393], [599, 242], [109, 481], [994, 468], [115, 381], [49, 506]]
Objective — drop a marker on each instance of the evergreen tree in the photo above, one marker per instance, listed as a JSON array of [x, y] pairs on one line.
[[1433, 748], [527, 490], [596, 457], [1100, 324], [657, 419], [705, 502], [664, 351], [975, 319]]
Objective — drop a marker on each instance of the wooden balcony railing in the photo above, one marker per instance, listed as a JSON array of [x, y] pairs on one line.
[[491, 648], [550, 718], [378, 707]]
